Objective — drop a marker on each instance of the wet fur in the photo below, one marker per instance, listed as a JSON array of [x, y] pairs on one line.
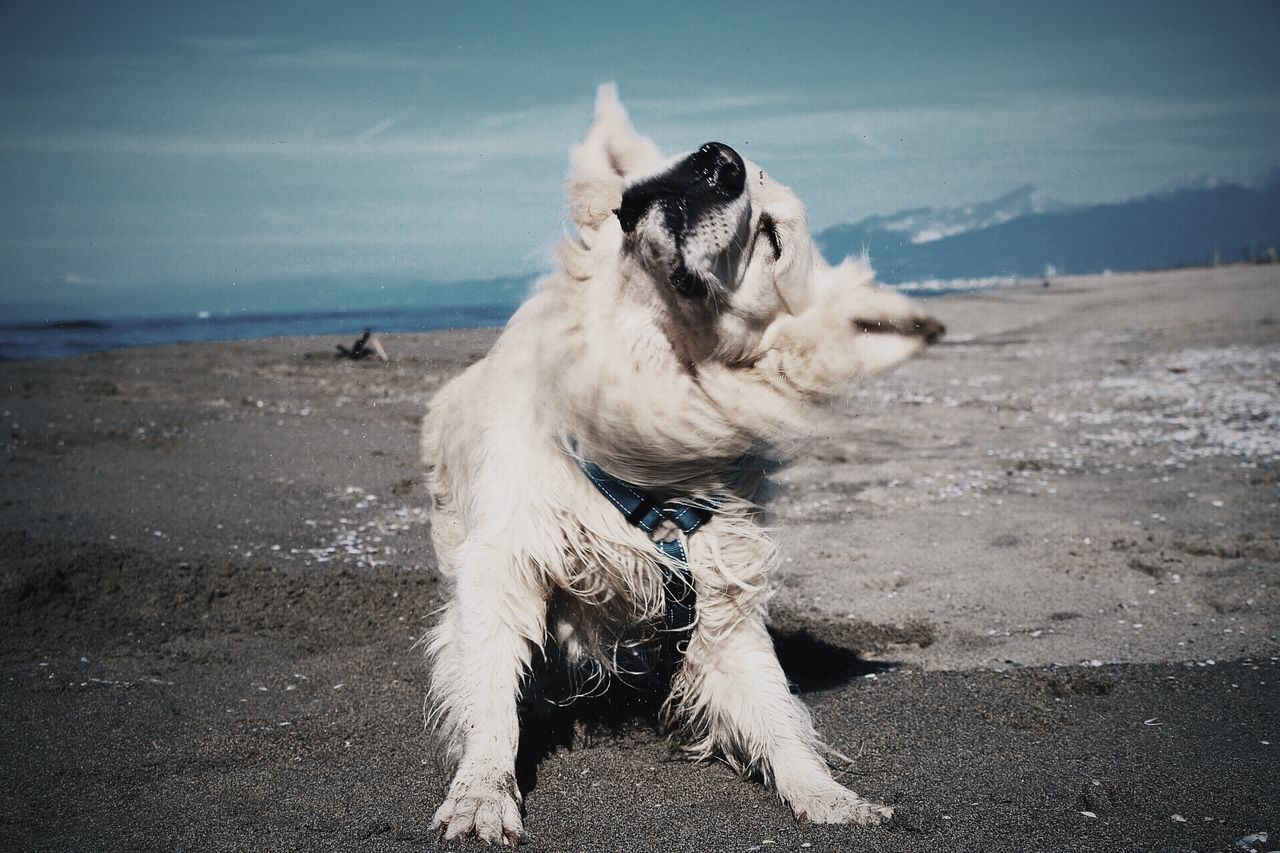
[[667, 393]]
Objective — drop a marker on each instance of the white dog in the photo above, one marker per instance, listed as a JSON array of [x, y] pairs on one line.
[[690, 325]]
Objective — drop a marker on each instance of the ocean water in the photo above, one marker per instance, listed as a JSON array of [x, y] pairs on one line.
[[62, 339]]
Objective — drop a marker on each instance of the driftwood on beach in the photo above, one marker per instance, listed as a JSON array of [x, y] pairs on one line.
[[366, 345]]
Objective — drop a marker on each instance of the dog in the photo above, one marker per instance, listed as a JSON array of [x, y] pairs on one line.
[[686, 335]]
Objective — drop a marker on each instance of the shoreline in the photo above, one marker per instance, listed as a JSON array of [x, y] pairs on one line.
[[76, 332]]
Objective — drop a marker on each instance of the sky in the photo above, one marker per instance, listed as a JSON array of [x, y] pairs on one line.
[[170, 145]]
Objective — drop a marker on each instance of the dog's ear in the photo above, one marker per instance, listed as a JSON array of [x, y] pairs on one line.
[[600, 163]]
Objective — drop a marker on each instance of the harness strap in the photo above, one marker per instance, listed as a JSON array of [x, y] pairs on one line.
[[647, 513]]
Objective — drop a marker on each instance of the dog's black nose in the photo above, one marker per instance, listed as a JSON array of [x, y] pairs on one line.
[[721, 167], [711, 175]]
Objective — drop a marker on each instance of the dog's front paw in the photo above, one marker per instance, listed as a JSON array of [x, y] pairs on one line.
[[831, 802], [480, 809]]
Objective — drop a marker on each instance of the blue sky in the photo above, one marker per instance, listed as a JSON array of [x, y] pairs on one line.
[[179, 143]]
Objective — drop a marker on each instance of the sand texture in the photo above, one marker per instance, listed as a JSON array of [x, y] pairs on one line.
[[1032, 588]]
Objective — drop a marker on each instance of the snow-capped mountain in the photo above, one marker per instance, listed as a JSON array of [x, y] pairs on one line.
[[1190, 181], [1190, 222], [925, 224]]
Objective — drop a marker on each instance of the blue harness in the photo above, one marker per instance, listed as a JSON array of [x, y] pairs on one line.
[[647, 513]]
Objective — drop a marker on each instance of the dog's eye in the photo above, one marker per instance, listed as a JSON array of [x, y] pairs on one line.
[[769, 229]]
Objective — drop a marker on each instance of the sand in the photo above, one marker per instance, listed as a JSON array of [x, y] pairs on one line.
[[1032, 589]]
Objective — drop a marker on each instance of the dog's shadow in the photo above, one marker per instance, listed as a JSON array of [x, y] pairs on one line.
[[631, 708]]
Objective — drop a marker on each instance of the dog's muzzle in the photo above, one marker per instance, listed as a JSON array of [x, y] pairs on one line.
[[706, 180], [711, 175]]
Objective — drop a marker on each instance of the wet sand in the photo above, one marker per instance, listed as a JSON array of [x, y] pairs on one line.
[[1031, 576]]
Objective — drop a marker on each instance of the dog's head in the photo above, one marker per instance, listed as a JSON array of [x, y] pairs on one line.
[[726, 249]]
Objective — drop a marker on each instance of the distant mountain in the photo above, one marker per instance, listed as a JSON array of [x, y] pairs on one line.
[[1191, 181], [1266, 178], [1021, 234], [926, 224]]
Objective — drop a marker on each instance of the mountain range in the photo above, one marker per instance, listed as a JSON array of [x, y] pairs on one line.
[[926, 224], [1193, 221]]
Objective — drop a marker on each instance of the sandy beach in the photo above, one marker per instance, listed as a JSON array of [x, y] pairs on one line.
[[1032, 588]]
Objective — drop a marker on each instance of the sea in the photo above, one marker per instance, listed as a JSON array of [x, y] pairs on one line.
[[65, 338], [61, 339]]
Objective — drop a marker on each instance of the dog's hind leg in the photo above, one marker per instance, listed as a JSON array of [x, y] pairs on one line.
[[734, 692], [482, 650]]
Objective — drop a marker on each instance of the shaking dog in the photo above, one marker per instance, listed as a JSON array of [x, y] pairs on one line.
[[688, 332]]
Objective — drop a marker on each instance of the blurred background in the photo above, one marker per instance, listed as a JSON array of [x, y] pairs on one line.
[[191, 170]]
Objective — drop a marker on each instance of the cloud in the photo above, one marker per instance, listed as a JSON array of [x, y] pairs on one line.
[[280, 53], [520, 134], [324, 57], [227, 44], [76, 278], [710, 104], [383, 126]]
